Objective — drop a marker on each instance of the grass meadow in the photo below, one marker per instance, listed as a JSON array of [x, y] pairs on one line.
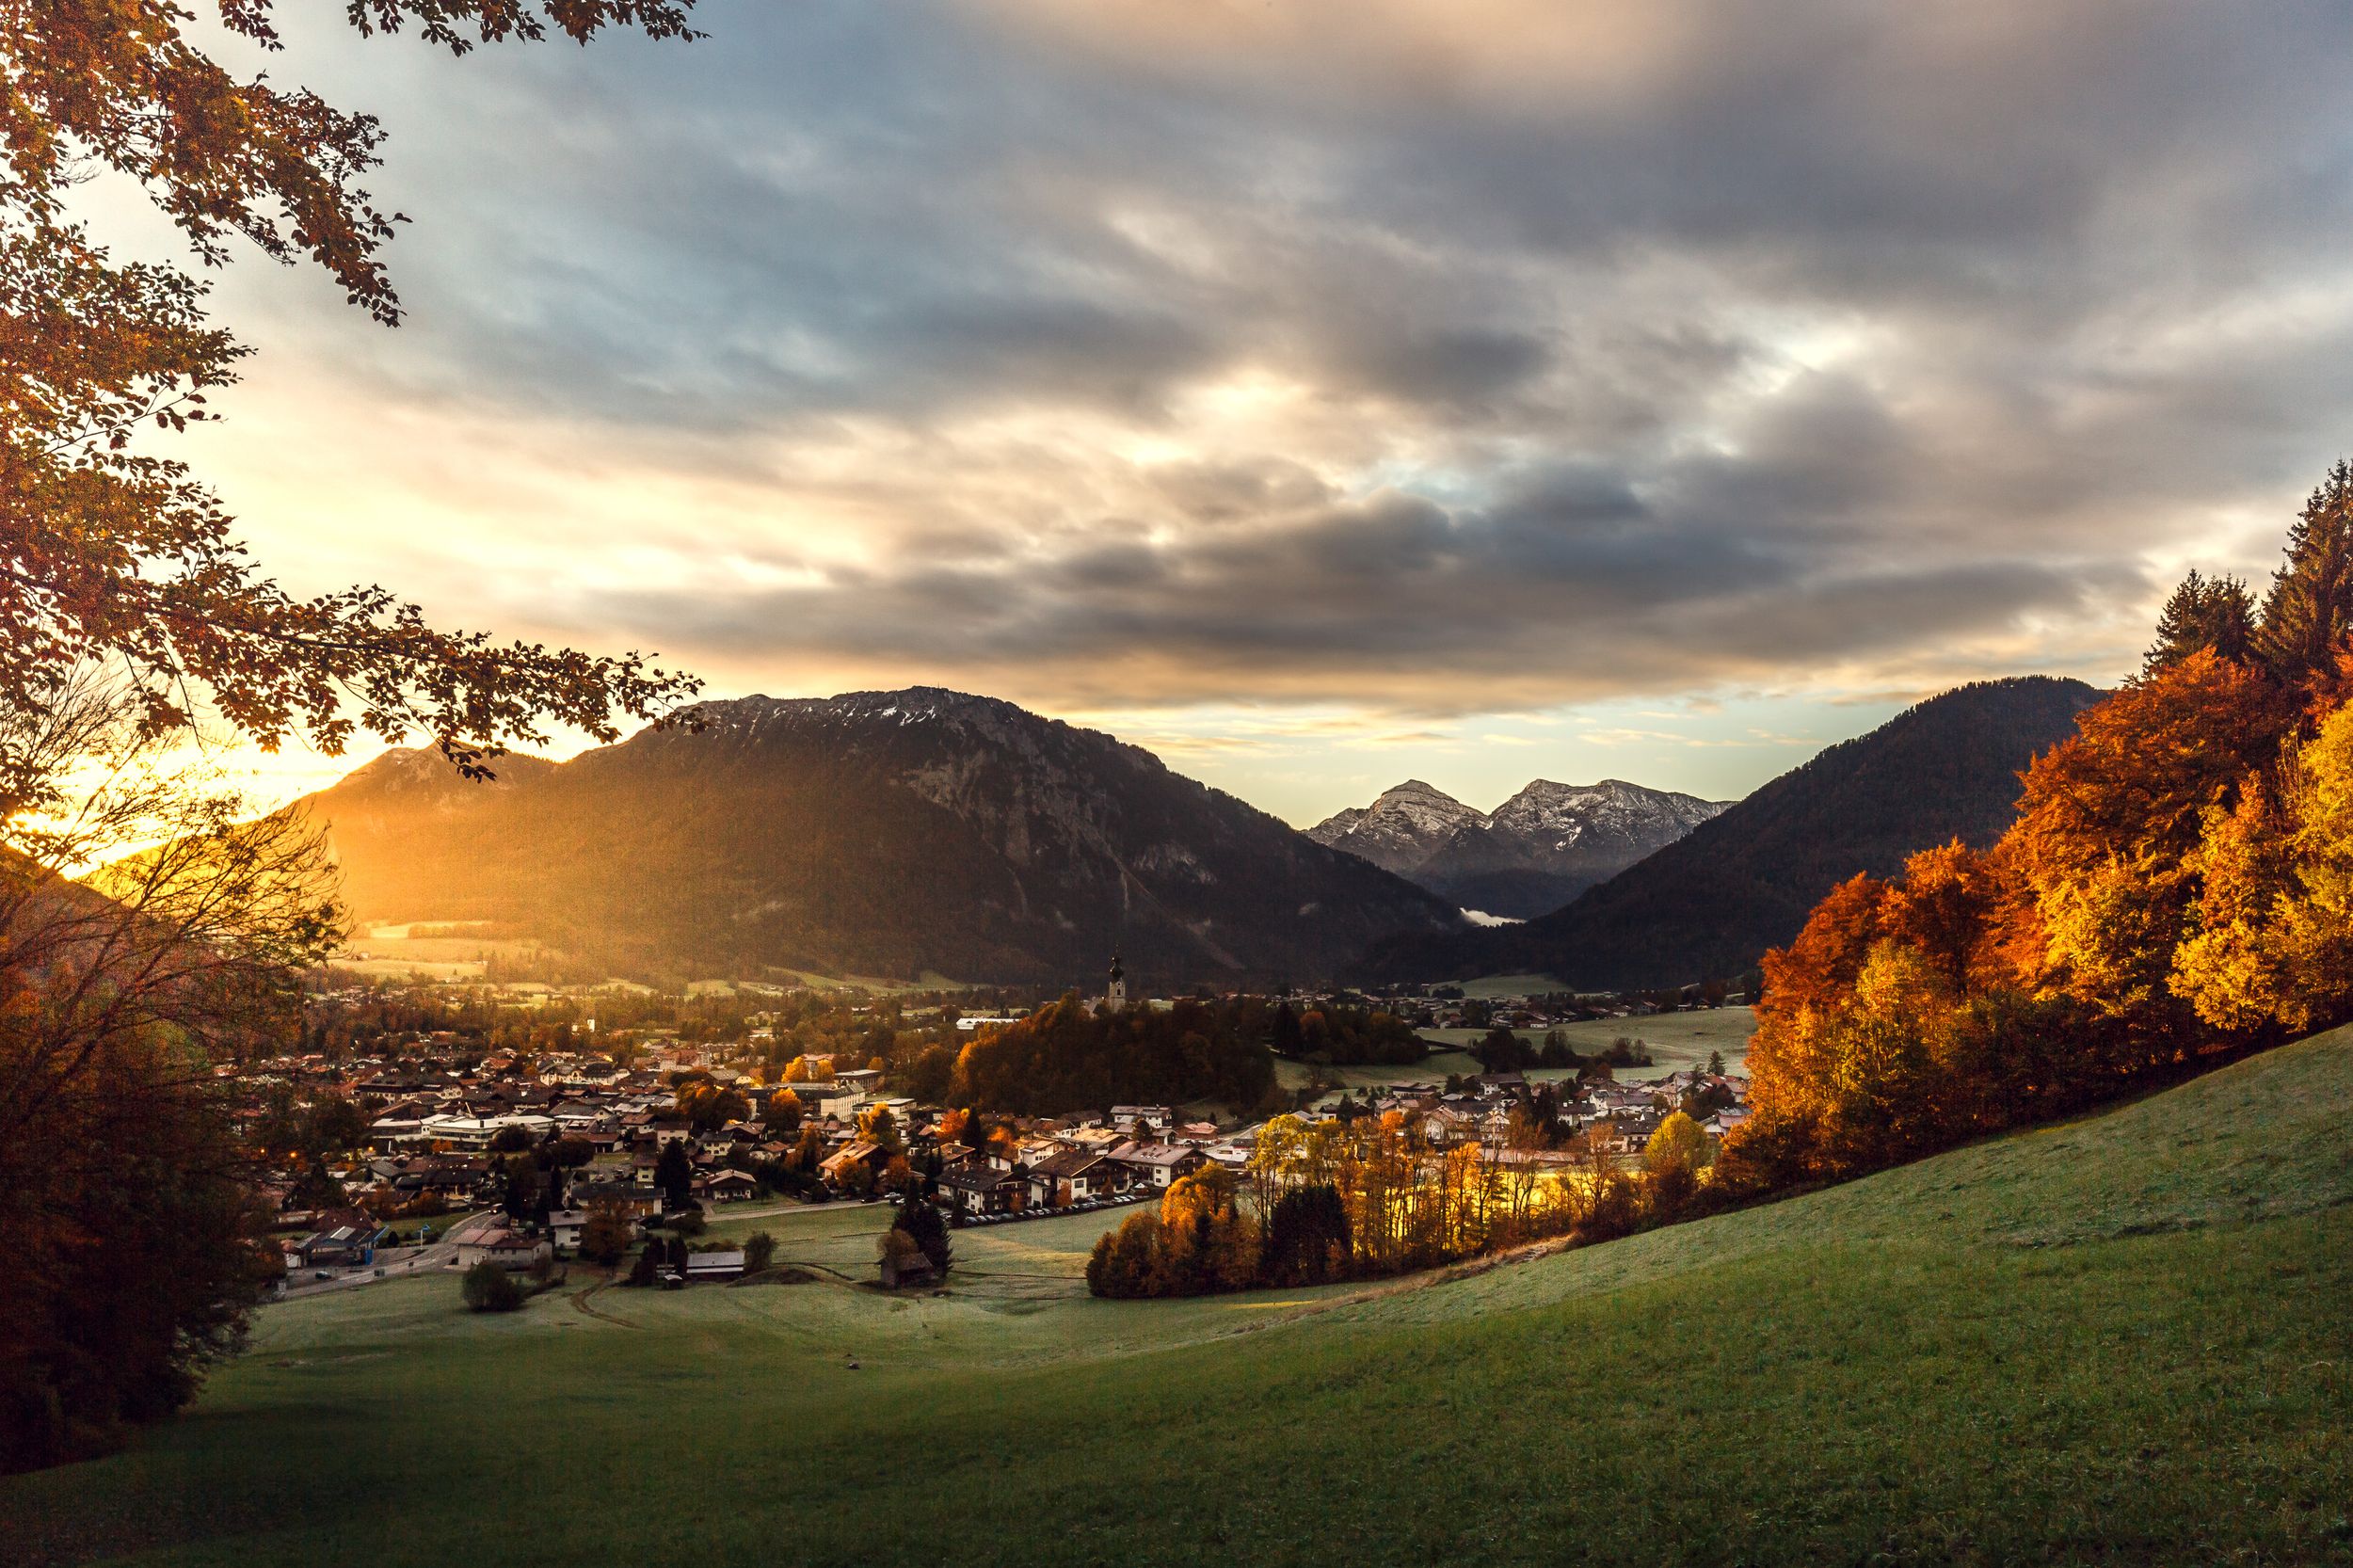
[[2127, 1338]]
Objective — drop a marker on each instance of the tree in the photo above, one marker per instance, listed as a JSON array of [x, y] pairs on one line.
[[2273, 943], [921, 1220], [877, 1125], [604, 1234], [1308, 1238], [111, 554], [758, 1247], [1501, 1050], [781, 1115], [2308, 609], [488, 1287], [134, 1248], [707, 1107], [2213, 613], [520, 1186], [674, 1173], [1678, 1143]]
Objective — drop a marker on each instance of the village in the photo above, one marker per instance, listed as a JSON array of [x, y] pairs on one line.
[[458, 1157]]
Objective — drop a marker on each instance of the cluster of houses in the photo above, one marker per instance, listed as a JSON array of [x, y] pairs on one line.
[[1616, 1117], [438, 1125]]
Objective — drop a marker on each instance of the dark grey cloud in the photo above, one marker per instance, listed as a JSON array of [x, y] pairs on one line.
[[1378, 352]]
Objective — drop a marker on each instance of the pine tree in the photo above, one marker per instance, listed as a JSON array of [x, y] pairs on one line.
[[2310, 608], [2204, 612]]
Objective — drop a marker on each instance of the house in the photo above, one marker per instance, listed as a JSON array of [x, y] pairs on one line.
[[978, 1188], [912, 1268], [1071, 1175], [564, 1227], [350, 1241], [1447, 1126], [727, 1187], [1160, 1164], [713, 1266], [1157, 1118], [637, 1202], [509, 1249], [836, 1168]]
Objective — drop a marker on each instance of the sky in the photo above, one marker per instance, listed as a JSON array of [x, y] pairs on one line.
[[1325, 393]]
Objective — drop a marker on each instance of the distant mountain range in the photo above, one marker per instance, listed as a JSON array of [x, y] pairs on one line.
[[1708, 905], [1533, 854], [886, 833]]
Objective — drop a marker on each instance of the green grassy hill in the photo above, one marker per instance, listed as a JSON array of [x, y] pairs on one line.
[[2124, 1339]]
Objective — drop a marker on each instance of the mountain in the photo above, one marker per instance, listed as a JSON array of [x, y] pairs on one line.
[[1401, 829], [1533, 854], [879, 832], [1709, 904]]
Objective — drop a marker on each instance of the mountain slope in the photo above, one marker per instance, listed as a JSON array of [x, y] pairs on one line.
[[1532, 853], [879, 832], [1401, 829], [1711, 902]]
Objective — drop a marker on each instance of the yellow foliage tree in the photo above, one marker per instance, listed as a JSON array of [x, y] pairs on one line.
[[2275, 941]]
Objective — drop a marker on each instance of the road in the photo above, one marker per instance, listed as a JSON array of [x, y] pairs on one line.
[[391, 1262]]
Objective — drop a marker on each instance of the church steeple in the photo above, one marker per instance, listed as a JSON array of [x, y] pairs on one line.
[[1115, 991]]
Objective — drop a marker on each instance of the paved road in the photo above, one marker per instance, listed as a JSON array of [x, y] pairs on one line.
[[394, 1262]]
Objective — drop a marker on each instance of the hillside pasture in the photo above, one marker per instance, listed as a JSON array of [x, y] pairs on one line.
[[2123, 1340]]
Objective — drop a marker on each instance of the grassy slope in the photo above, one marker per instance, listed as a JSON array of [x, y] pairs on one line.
[[2129, 1338]]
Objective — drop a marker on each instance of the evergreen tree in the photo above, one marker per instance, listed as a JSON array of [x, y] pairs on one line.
[[923, 1224], [674, 1173], [2204, 612], [2309, 607]]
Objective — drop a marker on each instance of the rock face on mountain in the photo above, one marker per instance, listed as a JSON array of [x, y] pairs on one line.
[[1709, 904], [885, 833], [1531, 854]]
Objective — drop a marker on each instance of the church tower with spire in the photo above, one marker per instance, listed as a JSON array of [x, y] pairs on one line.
[[1115, 989]]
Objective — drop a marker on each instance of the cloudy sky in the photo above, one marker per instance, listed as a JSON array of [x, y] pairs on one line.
[[1325, 394]]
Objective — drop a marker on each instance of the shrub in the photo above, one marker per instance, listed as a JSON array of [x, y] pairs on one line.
[[488, 1287]]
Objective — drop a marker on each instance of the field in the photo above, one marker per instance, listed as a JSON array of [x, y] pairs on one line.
[[2124, 1339], [1676, 1040]]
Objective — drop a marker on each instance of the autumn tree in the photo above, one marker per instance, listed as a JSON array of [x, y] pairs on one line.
[[606, 1233], [2274, 937], [2109, 818], [782, 1114], [708, 1106], [1678, 1143], [111, 553]]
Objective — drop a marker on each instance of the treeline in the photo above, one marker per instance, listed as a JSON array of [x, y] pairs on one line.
[[1371, 1196], [1066, 1057], [2173, 889], [1335, 1033]]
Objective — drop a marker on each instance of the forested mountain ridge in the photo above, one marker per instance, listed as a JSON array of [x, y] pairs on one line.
[[1531, 854], [878, 832], [1711, 902]]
